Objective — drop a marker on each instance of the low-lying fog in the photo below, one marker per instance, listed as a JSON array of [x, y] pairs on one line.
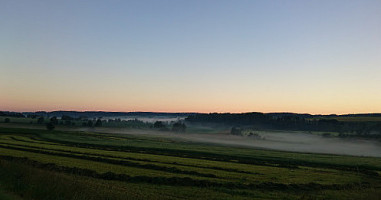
[[285, 141], [146, 119]]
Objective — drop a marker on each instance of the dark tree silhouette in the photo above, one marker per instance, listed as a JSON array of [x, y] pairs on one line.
[[40, 120], [7, 120], [54, 120], [159, 124], [90, 123], [178, 127], [65, 117], [98, 123], [50, 126]]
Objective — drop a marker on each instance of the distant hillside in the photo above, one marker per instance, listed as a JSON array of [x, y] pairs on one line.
[[258, 117], [292, 121], [306, 115], [97, 114]]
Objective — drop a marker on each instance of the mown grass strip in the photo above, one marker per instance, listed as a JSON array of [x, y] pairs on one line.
[[86, 151], [179, 181], [249, 156], [282, 175], [269, 161], [116, 162], [276, 163]]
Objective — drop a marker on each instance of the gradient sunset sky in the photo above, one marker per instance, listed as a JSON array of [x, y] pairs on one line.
[[303, 56]]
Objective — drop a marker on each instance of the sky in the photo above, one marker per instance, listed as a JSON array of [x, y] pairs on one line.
[[317, 56]]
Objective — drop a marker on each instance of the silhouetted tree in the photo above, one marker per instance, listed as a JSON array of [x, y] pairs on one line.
[[54, 120], [32, 116], [159, 124], [40, 120], [65, 117], [7, 120], [50, 126], [178, 127], [98, 123], [90, 123]]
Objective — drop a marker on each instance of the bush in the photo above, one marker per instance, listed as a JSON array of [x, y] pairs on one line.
[[7, 120]]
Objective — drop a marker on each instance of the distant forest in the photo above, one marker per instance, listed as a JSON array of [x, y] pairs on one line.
[[254, 120], [92, 114], [294, 122]]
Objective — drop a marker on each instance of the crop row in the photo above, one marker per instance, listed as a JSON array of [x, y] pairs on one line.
[[273, 174], [251, 160], [188, 162], [113, 161], [100, 167], [162, 146], [180, 181]]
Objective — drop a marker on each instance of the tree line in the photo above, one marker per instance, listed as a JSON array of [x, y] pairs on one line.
[[295, 122]]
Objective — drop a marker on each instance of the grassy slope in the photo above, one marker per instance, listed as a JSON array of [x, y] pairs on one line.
[[5, 195], [236, 171]]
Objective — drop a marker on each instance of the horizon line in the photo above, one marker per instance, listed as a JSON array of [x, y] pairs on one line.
[[364, 113]]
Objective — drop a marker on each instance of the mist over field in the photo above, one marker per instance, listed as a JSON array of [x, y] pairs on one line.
[[146, 119], [283, 141], [187, 100]]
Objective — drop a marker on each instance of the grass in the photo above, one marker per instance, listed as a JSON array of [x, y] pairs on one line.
[[54, 185], [85, 165], [5, 195]]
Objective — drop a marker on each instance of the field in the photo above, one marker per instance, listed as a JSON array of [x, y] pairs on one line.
[[41, 164]]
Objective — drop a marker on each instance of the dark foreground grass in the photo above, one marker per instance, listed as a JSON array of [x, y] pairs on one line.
[[5, 195], [34, 183], [39, 164]]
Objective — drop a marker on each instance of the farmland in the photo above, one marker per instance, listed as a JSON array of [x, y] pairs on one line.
[[87, 165]]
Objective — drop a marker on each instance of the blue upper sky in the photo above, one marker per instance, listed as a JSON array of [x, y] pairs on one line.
[[226, 56]]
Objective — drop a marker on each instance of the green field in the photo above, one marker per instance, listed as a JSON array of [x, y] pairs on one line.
[[40, 164]]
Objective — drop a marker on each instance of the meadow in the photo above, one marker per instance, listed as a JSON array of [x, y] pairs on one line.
[[42, 164]]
